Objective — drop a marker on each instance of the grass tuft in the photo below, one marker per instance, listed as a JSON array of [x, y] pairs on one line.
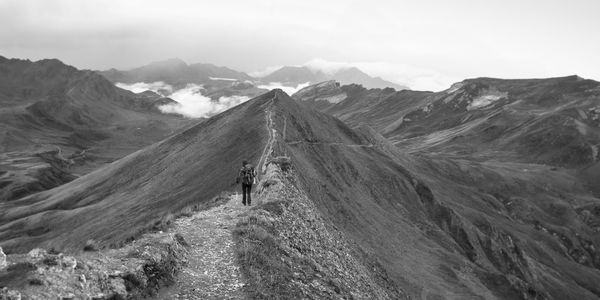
[[260, 253], [90, 245]]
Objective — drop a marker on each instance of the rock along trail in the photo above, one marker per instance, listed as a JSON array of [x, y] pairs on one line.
[[211, 271]]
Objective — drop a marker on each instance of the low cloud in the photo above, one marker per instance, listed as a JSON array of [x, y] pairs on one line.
[[158, 87], [265, 72], [190, 100], [290, 90], [327, 67], [414, 77]]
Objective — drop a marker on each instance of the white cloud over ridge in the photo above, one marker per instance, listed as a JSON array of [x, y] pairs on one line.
[[191, 102], [290, 90], [158, 87]]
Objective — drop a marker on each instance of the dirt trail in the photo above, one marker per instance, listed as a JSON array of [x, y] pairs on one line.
[[211, 272], [331, 144], [272, 132]]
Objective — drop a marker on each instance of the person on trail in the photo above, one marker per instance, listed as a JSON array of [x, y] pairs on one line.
[[247, 176]]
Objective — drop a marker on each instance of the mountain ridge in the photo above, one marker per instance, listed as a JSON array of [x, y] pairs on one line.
[[175, 72]]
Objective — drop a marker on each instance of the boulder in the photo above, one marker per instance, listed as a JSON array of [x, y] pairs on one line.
[[37, 253]]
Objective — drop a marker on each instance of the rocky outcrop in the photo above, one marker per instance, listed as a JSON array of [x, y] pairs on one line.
[[329, 91], [134, 271]]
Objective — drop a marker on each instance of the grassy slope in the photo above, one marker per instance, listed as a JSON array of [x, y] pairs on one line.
[[47, 105], [116, 202]]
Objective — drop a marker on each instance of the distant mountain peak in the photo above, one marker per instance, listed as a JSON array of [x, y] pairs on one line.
[[170, 62], [175, 72], [296, 75]]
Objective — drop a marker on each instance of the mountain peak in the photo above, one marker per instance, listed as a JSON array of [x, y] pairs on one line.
[[347, 75], [171, 62]]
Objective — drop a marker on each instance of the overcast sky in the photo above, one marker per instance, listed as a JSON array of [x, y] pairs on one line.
[[426, 44]]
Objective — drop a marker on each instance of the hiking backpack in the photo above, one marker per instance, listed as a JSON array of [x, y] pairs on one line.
[[248, 175]]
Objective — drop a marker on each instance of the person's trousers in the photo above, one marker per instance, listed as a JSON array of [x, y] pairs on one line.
[[246, 192]]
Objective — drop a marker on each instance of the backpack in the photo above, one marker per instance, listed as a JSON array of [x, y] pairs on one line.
[[248, 175]]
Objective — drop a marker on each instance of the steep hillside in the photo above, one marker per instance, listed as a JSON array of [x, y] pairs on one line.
[[552, 121], [355, 104], [430, 228], [447, 228], [47, 105]]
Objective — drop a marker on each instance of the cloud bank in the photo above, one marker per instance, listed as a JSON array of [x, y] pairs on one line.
[[158, 87], [190, 100], [290, 90]]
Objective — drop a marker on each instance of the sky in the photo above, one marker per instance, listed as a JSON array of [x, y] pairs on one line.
[[424, 44]]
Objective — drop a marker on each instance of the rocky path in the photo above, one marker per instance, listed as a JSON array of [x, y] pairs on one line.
[[211, 272]]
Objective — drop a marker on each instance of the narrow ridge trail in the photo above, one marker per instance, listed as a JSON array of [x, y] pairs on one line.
[[331, 144], [212, 271], [272, 132]]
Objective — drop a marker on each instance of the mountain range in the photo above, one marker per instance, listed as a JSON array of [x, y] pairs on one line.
[[175, 72], [487, 190], [445, 227], [178, 74], [298, 75]]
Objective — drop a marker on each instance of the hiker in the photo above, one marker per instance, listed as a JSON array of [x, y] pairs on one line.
[[247, 176]]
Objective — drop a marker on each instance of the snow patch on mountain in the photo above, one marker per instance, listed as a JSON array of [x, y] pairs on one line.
[[455, 87], [486, 99], [221, 78], [335, 99]]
